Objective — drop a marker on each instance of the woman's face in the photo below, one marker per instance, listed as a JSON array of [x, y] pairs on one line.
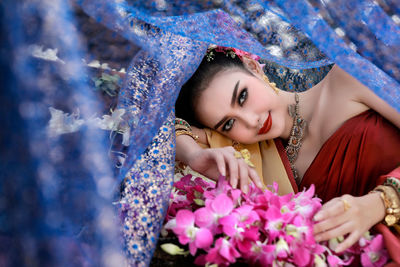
[[242, 107]]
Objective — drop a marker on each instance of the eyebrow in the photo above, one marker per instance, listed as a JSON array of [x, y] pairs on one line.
[[234, 95]]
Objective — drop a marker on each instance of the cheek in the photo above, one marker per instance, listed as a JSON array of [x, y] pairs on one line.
[[242, 135]]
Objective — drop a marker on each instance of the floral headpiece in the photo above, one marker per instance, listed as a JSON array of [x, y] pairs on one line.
[[228, 51]]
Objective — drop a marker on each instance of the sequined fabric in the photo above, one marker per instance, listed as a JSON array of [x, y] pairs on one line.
[[59, 204]]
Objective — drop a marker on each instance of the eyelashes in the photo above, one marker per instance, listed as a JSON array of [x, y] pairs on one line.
[[243, 95]]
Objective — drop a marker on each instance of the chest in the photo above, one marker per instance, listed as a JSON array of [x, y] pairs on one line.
[[330, 112]]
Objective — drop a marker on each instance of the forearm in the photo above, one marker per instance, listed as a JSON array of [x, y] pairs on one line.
[[185, 147]]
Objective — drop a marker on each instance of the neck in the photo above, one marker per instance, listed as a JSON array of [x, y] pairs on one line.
[[306, 107]]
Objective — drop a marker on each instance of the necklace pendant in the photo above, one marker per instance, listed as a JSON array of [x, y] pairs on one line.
[[296, 136]]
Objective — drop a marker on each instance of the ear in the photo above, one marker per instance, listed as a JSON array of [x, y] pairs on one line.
[[253, 66]]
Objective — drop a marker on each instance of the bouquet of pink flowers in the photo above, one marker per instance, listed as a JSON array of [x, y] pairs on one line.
[[221, 225]]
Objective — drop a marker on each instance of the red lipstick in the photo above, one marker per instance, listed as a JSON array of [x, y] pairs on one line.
[[267, 125]]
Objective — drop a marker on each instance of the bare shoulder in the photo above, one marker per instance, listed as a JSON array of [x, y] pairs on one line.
[[359, 95]]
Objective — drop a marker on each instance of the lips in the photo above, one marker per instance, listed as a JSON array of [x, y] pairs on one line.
[[267, 125]]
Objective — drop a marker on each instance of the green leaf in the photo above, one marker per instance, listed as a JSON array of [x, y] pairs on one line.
[[173, 249], [199, 202]]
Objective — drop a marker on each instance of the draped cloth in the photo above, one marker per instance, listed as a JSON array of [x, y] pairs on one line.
[[57, 194], [351, 161], [355, 159]]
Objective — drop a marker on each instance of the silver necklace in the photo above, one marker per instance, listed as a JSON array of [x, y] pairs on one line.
[[296, 136]]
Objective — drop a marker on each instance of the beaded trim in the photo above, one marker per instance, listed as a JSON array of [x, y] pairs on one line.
[[393, 182], [296, 136]]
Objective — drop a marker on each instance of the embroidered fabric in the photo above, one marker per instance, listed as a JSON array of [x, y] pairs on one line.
[[57, 193]]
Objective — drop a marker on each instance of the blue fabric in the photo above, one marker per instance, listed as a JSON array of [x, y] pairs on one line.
[[57, 194]]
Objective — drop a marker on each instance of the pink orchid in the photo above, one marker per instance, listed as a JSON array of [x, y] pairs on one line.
[[260, 227], [215, 209], [335, 261], [222, 188], [275, 221], [302, 256], [306, 205], [262, 254], [282, 248], [188, 233], [223, 253], [374, 254]]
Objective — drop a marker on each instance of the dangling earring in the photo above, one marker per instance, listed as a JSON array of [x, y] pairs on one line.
[[273, 85]]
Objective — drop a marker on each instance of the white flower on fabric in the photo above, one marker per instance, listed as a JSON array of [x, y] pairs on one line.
[[109, 122], [96, 64], [48, 54], [61, 123]]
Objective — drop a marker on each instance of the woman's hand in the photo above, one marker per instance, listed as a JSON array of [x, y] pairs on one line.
[[213, 162], [348, 215]]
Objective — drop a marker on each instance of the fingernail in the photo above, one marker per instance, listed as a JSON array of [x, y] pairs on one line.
[[234, 184], [245, 189], [338, 250], [317, 217]]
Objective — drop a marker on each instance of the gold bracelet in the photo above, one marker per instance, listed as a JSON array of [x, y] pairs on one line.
[[393, 182], [182, 127], [182, 122], [185, 132], [391, 202]]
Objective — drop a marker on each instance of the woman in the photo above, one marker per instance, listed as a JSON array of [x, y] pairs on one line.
[[340, 136]]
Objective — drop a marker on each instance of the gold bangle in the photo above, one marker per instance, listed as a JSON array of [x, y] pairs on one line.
[[393, 182], [182, 127], [391, 202], [185, 132], [182, 122]]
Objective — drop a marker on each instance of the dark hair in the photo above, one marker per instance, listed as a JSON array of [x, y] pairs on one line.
[[190, 92]]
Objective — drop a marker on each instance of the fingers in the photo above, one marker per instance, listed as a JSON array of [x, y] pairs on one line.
[[237, 169], [339, 229], [219, 159], [328, 224], [255, 178], [348, 242], [332, 208], [244, 176]]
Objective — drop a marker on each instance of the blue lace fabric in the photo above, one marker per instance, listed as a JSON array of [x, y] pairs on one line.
[[59, 201]]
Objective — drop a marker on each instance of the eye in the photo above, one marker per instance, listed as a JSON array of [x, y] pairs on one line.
[[228, 125], [242, 97]]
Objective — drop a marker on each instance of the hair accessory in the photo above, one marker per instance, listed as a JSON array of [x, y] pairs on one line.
[[273, 85], [296, 136], [392, 203], [228, 51]]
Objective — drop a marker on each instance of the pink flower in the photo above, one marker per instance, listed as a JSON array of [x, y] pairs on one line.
[[305, 204], [223, 253], [302, 256], [215, 209], [241, 53], [188, 233], [335, 261], [374, 254], [262, 254]]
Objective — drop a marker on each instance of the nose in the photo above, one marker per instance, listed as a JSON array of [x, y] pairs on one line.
[[250, 119]]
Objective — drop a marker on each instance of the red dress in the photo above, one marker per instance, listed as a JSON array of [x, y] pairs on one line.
[[354, 160]]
